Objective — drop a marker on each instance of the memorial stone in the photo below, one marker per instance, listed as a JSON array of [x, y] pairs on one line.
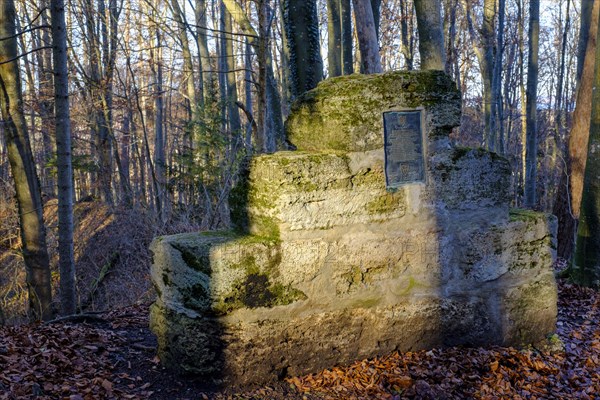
[[376, 235]]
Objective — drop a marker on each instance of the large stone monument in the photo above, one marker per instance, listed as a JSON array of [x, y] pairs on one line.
[[376, 235]]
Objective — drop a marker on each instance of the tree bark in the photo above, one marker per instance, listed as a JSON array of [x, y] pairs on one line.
[[586, 264], [231, 89], [376, 9], [568, 198], [498, 104], [205, 69], [27, 187], [269, 118], [578, 140], [62, 119], [406, 37], [431, 36], [334, 38], [160, 166], [532, 83], [346, 27], [484, 50], [367, 37], [302, 33]]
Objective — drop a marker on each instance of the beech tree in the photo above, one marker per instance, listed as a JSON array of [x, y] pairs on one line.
[[367, 36], [586, 263], [431, 36], [568, 199], [22, 164]]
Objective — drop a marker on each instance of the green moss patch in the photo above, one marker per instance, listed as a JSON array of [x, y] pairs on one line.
[[198, 260], [256, 290], [386, 203]]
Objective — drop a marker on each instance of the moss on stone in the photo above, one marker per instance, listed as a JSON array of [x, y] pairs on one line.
[[519, 214], [198, 260], [367, 303], [264, 227], [256, 290], [195, 297], [386, 203], [344, 113], [369, 178]]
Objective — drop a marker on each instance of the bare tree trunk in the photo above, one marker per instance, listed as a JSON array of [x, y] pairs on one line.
[[406, 38], [44, 59], [33, 233], [558, 112], [581, 119], [498, 104], [522, 92], [346, 34], [367, 37], [269, 118], [376, 9], [248, 94], [188, 74], [484, 49], [586, 263], [205, 70], [231, 89], [286, 89], [334, 38], [62, 117], [431, 36], [302, 33], [568, 198], [105, 97], [532, 81], [159, 139]]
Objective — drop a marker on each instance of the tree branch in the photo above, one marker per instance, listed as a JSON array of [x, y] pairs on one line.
[[24, 54]]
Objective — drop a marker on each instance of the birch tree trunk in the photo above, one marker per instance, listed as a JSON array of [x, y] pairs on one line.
[[29, 199]]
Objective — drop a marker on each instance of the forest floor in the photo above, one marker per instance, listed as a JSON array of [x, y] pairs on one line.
[[112, 356]]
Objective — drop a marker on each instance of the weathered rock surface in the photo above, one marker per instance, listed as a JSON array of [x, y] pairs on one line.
[[327, 266], [344, 113]]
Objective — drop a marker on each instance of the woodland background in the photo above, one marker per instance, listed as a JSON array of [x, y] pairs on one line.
[[170, 97]]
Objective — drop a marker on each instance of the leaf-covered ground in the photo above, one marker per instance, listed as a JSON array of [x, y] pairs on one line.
[[111, 356]]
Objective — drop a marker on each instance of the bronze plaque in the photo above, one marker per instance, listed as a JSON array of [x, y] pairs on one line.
[[403, 139]]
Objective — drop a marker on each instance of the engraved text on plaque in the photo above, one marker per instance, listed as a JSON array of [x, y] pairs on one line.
[[404, 161]]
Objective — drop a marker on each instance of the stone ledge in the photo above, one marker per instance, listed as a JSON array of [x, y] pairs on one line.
[[344, 113], [270, 308], [295, 191]]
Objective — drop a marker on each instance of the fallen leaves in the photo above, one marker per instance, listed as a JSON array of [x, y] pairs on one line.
[[497, 372], [111, 360], [62, 360]]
